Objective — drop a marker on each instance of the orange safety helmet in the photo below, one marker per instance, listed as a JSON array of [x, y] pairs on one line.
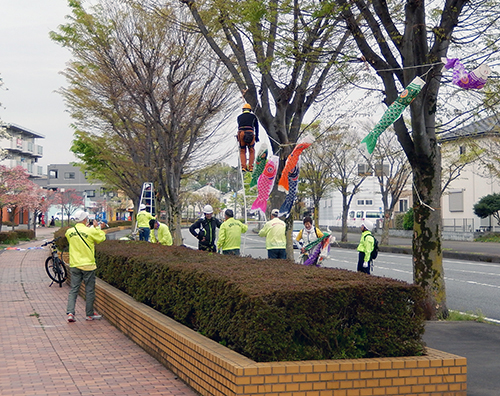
[[246, 106]]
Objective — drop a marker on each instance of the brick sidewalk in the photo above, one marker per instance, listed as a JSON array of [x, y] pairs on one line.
[[42, 354]]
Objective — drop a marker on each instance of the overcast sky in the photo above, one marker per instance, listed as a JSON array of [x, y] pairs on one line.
[[30, 66]]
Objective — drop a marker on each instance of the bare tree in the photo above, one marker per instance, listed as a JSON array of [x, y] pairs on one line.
[[347, 179], [316, 168], [403, 40], [149, 88], [392, 170]]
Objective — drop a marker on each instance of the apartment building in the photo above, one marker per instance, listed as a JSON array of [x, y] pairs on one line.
[[23, 149]]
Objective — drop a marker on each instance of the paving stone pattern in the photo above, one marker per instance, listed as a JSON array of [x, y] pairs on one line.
[[42, 354]]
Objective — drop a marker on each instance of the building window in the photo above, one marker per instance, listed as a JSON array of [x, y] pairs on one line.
[[382, 170], [361, 202], [90, 193], [462, 150], [368, 202], [456, 201], [53, 174], [69, 175], [364, 170], [403, 205]]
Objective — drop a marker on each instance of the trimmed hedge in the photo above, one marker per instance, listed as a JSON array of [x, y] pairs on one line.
[[120, 223], [9, 236], [270, 310], [25, 234]]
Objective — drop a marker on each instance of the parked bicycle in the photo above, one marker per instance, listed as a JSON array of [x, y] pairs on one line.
[[54, 265]]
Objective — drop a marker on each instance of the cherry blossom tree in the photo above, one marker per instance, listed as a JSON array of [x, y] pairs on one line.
[[17, 191], [69, 201]]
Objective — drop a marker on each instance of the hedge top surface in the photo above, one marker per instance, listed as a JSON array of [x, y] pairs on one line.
[[253, 276]]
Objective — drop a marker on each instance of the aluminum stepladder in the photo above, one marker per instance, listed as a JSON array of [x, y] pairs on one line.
[[148, 198], [248, 200]]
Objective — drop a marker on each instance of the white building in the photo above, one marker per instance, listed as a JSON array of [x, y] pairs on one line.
[[22, 149], [457, 201], [475, 181]]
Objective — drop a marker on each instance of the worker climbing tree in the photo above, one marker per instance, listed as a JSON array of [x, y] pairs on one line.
[[248, 135]]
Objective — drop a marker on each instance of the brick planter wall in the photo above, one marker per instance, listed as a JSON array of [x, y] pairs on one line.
[[212, 369]]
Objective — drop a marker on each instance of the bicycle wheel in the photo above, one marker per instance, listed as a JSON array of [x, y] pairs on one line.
[[61, 271], [56, 271]]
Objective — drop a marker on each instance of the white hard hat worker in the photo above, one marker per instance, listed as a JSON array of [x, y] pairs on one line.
[[208, 209], [367, 224], [142, 207]]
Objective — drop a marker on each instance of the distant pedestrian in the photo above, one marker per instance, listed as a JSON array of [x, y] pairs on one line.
[[365, 247], [82, 240], [205, 229], [143, 218], [52, 222], [230, 234], [275, 233], [164, 235]]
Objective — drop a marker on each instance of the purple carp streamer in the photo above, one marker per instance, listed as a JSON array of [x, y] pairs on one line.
[[475, 79]]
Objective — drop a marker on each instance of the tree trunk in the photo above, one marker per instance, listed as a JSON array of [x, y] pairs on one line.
[[384, 239], [427, 248]]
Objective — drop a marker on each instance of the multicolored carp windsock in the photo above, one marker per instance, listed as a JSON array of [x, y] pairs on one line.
[[393, 112], [293, 185], [291, 161], [260, 163], [320, 251], [265, 184], [476, 79]]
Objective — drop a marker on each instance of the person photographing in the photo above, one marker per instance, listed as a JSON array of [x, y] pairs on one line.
[[82, 239]]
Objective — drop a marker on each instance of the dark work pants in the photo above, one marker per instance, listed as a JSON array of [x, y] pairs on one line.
[[361, 260]]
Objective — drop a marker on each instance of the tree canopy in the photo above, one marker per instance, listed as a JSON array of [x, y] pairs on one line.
[[145, 94], [488, 206]]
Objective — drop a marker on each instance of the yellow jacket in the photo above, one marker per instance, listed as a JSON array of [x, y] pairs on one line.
[[143, 218], [230, 234], [275, 233], [164, 235], [366, 244], [81, 255]]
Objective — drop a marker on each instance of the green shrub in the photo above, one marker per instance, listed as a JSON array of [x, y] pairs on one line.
[[120, 223], [270, 310], [62, 243], [25, 234], [408, 220], [9, 237], [398, 221]]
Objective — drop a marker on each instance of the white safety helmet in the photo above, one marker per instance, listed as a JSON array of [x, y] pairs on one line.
[[208, 209], [142, 207], [368, 225]]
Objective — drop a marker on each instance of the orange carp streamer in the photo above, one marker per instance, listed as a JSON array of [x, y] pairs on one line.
[[291, 161]]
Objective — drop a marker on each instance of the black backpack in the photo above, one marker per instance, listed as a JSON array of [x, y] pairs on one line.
[[374, 253]]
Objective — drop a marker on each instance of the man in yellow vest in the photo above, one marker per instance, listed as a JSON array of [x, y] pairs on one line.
[[143, 218], [230, 234], [275, 233], [82, 265], [365, 247], [164, 235]]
